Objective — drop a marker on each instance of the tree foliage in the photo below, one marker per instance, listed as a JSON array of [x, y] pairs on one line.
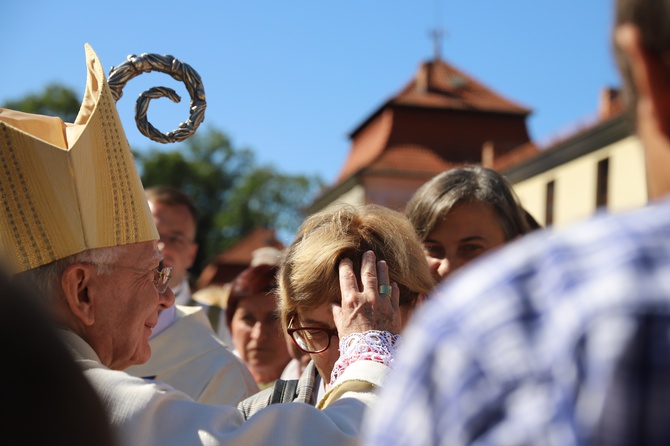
[[55, 100], [233, 193], [266, 198]]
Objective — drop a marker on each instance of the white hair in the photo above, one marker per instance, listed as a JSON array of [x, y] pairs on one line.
[[47, 278]]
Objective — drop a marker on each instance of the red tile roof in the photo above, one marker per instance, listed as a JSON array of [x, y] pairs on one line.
[[368, 145], [437, 86], [412, 159], [441, 85], [240, 252], [232, 261]]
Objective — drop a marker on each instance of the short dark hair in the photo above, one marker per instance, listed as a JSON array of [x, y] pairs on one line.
[[172, 196]]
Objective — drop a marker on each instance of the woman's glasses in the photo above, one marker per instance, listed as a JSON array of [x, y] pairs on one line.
[[312, 339]]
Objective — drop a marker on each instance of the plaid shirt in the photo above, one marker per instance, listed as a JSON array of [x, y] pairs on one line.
[[559, 339]]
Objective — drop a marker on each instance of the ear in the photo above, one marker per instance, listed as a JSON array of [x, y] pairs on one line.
[[75, 282], [651, 77]]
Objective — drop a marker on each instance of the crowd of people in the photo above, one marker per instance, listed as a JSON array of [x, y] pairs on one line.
[[359, 332]]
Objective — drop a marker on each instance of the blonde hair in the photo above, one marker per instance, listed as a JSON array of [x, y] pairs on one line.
[[309, 276]]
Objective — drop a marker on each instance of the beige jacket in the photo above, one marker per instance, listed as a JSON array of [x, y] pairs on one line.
[[153, 413], [188, 356]]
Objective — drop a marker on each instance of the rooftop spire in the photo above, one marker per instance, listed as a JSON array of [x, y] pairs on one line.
[[437, 35], [438, 32]]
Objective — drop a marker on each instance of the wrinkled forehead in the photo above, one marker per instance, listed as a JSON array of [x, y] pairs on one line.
[[142, 254]]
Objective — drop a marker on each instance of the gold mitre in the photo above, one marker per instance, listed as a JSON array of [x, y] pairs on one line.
[[66, 187]]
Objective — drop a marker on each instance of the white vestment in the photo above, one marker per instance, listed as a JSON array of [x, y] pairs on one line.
[[153, 413], [188, 356]]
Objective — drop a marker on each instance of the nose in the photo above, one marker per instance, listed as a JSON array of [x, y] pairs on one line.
[[439, 268], [166, 299], [445, 267], [258, 331]]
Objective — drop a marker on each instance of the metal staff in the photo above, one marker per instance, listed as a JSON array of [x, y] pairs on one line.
[[145, 63]]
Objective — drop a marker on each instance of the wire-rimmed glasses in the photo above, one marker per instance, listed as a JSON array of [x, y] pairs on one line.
[[312, 339], [162, 276]]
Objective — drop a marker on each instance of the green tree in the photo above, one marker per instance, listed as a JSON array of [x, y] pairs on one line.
[[267, 198], [55, 100], [234, 194]]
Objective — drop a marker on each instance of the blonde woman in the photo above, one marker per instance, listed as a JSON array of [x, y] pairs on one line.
[[335, 251]]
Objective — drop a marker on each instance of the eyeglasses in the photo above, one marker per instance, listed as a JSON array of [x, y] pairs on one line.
[[312, 339], [162, 278], [162, 274], [176, 241]]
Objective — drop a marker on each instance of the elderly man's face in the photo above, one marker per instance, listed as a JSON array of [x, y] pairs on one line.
[[127, 307]]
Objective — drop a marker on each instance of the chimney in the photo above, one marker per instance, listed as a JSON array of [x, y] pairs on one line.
[[488, 154], [610, 103], [422, 78]]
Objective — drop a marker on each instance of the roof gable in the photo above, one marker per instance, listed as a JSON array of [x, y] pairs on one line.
[[440, 85]]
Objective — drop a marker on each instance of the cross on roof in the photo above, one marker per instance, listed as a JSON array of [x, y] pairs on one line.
[[437, 34]]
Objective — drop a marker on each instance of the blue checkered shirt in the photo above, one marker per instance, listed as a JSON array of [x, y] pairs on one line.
[[556, 339]]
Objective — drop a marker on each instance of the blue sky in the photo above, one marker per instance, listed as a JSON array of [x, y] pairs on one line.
[[291, 79]]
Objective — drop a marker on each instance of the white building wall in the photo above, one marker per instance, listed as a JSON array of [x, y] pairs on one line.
[[627, 166], [575, 184]]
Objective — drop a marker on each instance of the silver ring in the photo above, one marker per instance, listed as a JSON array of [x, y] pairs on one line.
[[386, 289]]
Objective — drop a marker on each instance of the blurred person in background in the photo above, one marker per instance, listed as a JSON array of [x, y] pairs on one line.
[[254, 324], [462, 213], [43, 381], [176, 217]]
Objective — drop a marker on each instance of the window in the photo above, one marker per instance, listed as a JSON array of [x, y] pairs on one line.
[[602, 182], [549, 209]]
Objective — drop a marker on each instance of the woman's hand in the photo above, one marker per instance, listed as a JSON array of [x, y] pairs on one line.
[[366, 309]]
